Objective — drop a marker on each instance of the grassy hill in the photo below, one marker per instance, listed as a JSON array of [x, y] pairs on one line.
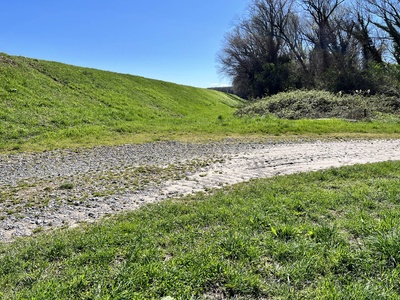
[[52, 104], [46, 105]]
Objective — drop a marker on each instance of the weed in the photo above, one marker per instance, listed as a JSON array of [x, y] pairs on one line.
[[38, 230], [66, 186]]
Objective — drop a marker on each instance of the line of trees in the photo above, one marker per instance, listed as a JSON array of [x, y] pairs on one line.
[[336, 45]]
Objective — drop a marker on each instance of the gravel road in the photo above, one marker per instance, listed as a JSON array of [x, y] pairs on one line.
[[41, 191]]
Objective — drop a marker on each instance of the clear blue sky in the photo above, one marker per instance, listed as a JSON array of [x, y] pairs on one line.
[[171, 40]]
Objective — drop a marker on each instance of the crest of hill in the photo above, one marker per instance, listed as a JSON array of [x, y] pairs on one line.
[[39, 98]]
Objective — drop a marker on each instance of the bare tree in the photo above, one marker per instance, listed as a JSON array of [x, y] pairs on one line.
[[269, 22], [292, 33], [321, 31], [370, 51], [388, 13], [274, 35], [239, 59], [309, 43], [257, 47]]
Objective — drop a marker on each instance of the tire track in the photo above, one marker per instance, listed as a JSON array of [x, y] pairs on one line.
[[217, 165]]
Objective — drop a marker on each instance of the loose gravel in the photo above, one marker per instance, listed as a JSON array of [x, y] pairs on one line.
[[63, 188]]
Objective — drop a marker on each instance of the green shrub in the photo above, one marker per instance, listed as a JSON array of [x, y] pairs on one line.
[[321, 104]]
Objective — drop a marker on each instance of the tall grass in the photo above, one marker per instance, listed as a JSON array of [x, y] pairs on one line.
[[332, 234]]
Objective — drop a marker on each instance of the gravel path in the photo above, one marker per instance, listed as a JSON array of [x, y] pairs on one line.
[[40, 191]]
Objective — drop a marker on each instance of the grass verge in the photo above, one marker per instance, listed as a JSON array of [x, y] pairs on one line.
[[330, 234]]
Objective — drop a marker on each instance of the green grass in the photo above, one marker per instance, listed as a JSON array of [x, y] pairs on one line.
[[332, 234], [47, 105]]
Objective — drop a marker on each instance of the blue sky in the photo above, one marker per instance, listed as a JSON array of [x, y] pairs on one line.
[[171, 40]]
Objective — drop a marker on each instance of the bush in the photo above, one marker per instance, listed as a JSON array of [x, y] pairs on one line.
[[315, 104]]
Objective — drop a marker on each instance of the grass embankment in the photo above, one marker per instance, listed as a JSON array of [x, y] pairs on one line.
[[332, 234], [50, 105], [47, 105]]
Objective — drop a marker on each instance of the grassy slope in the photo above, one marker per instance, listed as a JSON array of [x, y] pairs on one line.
[[332, 234], [52, 104], [45, 105]]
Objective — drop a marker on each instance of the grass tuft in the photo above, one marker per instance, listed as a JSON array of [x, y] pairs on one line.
[[66, 186]]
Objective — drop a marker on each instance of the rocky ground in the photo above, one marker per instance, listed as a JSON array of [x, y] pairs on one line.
[[41, 191]]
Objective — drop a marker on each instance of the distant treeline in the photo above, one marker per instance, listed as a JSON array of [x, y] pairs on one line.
[[335, 45], [225, 89]]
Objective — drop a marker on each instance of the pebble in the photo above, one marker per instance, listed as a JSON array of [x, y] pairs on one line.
[[43, 173], [15, 168], [102, 180]]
